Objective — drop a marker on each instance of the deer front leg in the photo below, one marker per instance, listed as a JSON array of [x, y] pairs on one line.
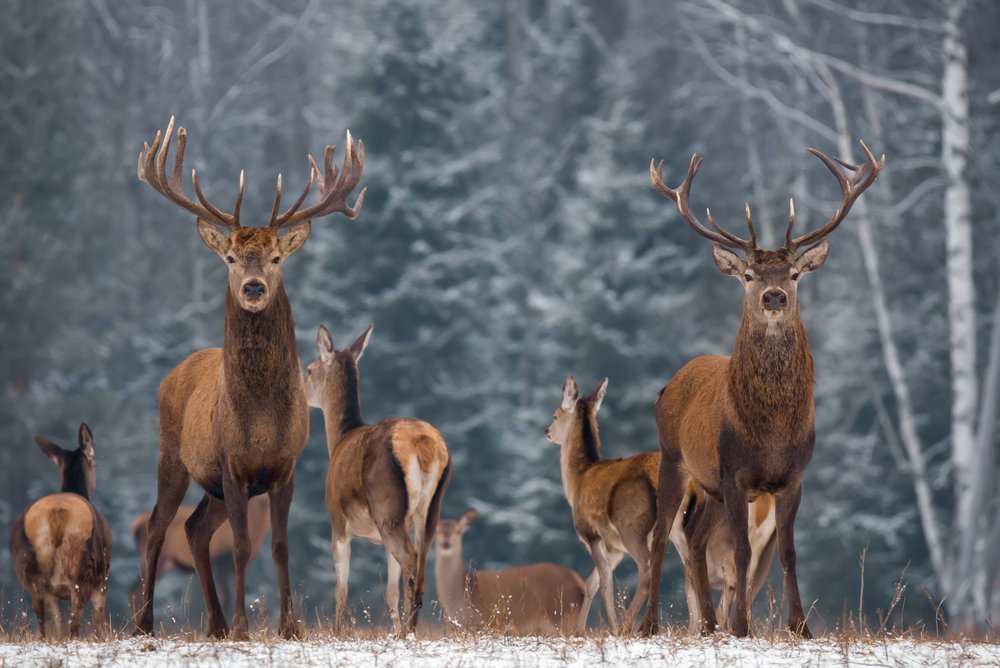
[[786, 507], [606, 562], [199, 528], [236, 498], [736, 512], [281, 504]]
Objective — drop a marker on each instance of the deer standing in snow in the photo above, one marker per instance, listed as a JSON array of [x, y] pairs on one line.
[[385, 481], [61, 545], [744, 425], [535, 599]]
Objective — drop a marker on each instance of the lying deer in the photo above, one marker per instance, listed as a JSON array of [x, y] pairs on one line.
[[61, 545], [176, 555], [744, 425], [614, 511], [385, 480], [536, 599], [235, 419]]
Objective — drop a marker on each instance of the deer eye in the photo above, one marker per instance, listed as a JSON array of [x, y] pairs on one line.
[[747, 277], [795, 276], [276, 260], [230, 259]]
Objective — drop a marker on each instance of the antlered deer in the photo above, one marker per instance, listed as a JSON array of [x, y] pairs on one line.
[[385, 481], [61, 544], [614, 510], [176, 555], [235, 419], [743, 425], [535, 599]]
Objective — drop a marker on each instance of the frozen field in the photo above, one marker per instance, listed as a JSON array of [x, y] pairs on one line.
[[485, 652]]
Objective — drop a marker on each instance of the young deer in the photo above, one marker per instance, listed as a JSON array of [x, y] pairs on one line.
[[536, 599], [614, 511], [384, 482], [176, 555], [743, 425], [61, 545], [235, 419]]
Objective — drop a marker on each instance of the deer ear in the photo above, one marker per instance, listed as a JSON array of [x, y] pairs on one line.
[[570, 393], [813, 258], [86, 441], [50, 449], [357, 349], [213, 237], [325, 344], [468, 519], [727, 261], [294, 238], [597, 397]]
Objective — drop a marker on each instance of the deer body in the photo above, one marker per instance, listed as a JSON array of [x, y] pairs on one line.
[[176, 554], [235, 419], [535, 599], [742, 426], [61, 545], [384, 483]]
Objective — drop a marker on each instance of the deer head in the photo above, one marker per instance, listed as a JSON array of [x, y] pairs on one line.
[[770, 278], [76, 467], [254, 255], [449, 533], [335, 372], [572, 407]]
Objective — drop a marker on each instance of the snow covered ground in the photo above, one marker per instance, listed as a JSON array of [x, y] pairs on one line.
[[485, 652]]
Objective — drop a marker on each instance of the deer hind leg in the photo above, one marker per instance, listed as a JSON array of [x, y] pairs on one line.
[[786, 507], [590, 588], [236, 498], [341, 544], [638, 549], [606, 562], [281, 503], [397, 543], [172, 481], [199, 528], [425, 529], [55, 614], [98, 614], [704, 517], [38, 606], [78, 599], [394, 572], [671, 489]]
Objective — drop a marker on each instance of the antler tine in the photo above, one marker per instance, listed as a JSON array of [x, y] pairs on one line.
[[152, 170], [791, 221], [239, 201], [276, 220], [679, 196], [864, 175], [753, 232], [273, 220], [335, 184]]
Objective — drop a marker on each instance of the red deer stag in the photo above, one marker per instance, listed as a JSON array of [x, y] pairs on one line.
[[743, 425], [384, 481], [614, 510], [536, 599], [235, 419], [61, 545], [176, 555]]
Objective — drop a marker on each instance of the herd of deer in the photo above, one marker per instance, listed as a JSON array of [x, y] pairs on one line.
[[735, 435]]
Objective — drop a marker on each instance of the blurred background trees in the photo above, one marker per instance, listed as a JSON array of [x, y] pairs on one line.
[[510, 237]]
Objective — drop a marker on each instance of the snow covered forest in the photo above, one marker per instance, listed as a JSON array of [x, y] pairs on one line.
[[510, 236]]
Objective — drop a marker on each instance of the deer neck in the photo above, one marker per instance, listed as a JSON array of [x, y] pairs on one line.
[[581, 450], [260, 358], [771, 378], [450, 575], [74, 478], [342, 407]]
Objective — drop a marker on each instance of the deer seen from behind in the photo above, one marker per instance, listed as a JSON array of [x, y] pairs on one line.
[[743, 425], [61, 545], [235, 419], [536, 599], [385, 481]]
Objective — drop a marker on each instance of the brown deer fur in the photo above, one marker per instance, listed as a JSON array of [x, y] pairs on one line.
[[176, 554], [235, 419], [535, 599], [743, 426], [385, 481], [61, 545]]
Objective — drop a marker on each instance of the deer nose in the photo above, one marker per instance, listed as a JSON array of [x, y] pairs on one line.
[[775, 300], [254, 289]]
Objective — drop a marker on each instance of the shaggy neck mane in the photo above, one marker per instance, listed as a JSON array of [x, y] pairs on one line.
[[582, 448], [342, 410], [260, 358], [771, 376]]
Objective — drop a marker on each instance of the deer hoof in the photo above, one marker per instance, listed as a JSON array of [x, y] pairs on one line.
[[649, 627], [291, 631], [800, 629]]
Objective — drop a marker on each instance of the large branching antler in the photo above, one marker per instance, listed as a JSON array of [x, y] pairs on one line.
[[334, 186], [679, 196], [863, 176], [152, 169]]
